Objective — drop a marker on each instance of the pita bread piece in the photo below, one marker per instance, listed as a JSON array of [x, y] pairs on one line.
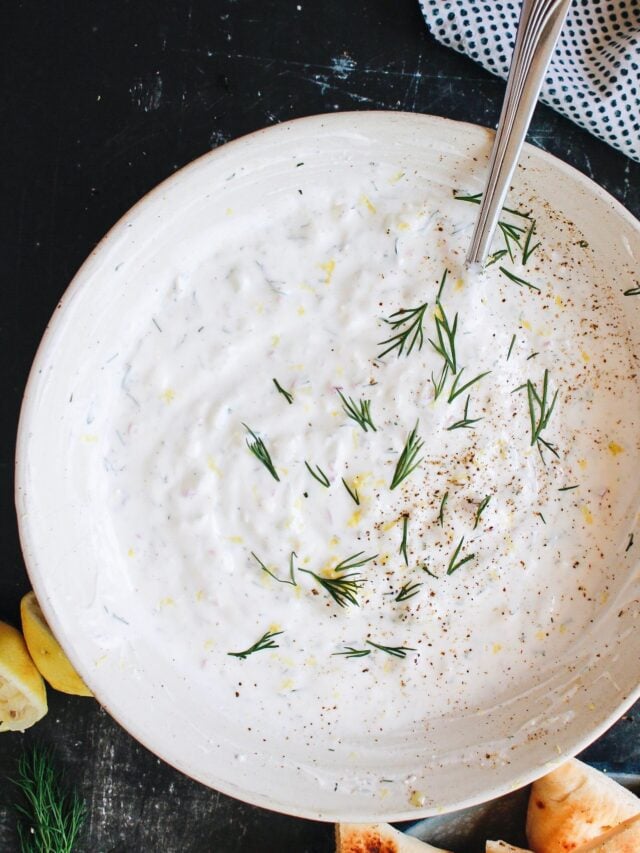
[[378, 838], [573, 805], [624, 838], [503, 847]]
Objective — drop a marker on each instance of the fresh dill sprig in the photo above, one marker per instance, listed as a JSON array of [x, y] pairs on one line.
[[630, 543], [544, 521], [407, 325], [523, 214], [407, 591], [633, 291], [569, 488], [395, 651], [429, 572], [271, 574], [446, 346], [528, 249], [513, 340], [443, 503], [403, 544], [542, 443], [352, 493], [473, 199], [407, 461], [354, 562], [516, 278], [456, 391], [52, 816], [511, 233], [454, 563], [442, 283], [257, 447], [466, 422], [286, 394], [496, 256], [438, 386], [484, 503], [476, 198], [350, 652], [358, 412], [321, 477], [265, 642], [540, 411], [343, 590]]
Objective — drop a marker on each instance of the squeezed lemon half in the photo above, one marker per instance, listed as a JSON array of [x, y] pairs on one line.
[[46, 651], [23, 697]]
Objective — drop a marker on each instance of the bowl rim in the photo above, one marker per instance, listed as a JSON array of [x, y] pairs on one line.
[[324, 122]]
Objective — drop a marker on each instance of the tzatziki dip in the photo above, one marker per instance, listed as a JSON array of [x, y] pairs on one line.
[[358, 484], [340, 503]]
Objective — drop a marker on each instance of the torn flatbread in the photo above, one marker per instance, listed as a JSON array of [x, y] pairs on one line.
[[378, 838], [573, 805], [624, 838]]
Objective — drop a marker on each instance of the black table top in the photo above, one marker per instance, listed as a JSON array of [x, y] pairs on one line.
[[102, 100]]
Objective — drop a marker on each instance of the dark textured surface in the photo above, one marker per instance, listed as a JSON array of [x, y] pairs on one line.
[[101, 101]]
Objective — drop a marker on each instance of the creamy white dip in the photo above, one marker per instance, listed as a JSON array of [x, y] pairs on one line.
[[297, 288]]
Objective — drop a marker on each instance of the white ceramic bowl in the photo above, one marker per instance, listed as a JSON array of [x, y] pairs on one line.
[[71, 559]]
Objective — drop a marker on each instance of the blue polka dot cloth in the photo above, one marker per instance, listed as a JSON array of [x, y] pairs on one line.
[[594, 74]]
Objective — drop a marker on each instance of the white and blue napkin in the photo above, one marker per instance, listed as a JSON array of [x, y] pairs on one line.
[[594, 75]]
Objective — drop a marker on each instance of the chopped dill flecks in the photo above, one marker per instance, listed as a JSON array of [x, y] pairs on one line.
[[407, 463], [321, 477], [286, 394], [454, 563], [265, 642]]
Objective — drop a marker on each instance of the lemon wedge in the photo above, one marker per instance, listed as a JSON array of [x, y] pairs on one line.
[[46, 651], [23, 698]]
